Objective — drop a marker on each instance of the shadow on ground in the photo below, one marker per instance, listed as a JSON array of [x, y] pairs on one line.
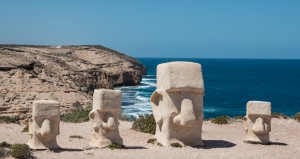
[[135, 147], [267, 144], [65, 149], [210, 144], [278, 143]]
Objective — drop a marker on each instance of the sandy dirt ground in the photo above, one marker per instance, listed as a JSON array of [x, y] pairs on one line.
[[222, 141]]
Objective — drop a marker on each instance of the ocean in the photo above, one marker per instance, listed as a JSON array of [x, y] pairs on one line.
[[229, 85]]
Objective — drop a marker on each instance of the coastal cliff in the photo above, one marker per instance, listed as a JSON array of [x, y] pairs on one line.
[[68, 74]]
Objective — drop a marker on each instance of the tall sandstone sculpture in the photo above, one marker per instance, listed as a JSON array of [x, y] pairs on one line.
[[104, 118], [257, 122], [68, 74], [44, 125], [177, 103]]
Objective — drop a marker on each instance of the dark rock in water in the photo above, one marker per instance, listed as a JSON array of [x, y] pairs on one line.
[[68, 74]]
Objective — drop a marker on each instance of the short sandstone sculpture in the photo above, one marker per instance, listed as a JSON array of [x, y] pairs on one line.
[[104, 117], [44, 124], [257, 122], [177, 103]]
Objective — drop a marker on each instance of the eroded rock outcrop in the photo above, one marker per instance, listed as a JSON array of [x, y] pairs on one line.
[[68, 74]]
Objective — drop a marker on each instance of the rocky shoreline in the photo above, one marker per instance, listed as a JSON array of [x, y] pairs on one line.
[[68, 74]]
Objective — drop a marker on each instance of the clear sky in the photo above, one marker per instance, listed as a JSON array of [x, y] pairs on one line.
[[159, 28]]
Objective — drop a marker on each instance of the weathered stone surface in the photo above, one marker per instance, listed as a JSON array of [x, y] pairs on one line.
[[257, 122], [68, 74], [44, 125], [104, 118], [177, 103], [179, 75]]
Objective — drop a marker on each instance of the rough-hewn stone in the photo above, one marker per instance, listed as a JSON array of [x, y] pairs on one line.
[[257, 122], [104, 118], [44, 124], [177, 104]]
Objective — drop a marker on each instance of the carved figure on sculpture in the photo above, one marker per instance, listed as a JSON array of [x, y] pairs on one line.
[[257, 122], [44, 124], [104, 117], [177, 103]]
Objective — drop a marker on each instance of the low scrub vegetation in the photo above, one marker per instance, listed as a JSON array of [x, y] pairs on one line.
[[116, 146], [151, 141], [7, 120], [145, 123], [78, 115], [26, 128], [4, 144], [220, 120], [76, 137], [159, 144], [20, 151], [176, 145], [297, 116], [125, 117], [279, 115], [238, 117]]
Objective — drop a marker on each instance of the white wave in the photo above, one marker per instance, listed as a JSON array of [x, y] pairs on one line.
[[150, 75], [149, 83], [148, 79], [123, 87], [142, 87], [210, 110], [142, 98], [141, 93], [136, 114]]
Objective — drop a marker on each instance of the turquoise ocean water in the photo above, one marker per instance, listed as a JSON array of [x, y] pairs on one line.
[[229, 84]]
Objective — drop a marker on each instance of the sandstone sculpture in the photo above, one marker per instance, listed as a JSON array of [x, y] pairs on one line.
[[68, 74], [44, 125], [257, 122], [177, 103], [104, 117]]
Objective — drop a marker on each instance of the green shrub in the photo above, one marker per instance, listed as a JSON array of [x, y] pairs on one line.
[[151, 141], [20, 151], [279, 115], [177, 145], [7, 120], [76, 137], [209, 119], [159, 144], [145, 123], [77, 116], [116, 146], [238, 117], [125, 117], [297, 116], [26, 128], [4, 144], [220, 120]]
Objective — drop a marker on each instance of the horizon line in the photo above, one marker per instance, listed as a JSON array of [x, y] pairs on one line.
[[227, 58]]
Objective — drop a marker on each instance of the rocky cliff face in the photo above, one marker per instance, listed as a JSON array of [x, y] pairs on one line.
[[68, 74]]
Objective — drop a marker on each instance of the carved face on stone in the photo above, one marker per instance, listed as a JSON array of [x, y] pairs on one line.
[[258, 122], [104, 117], [177, 103], [44, 125]]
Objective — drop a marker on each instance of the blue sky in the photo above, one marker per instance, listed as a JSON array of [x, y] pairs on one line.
[[159, 28]]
